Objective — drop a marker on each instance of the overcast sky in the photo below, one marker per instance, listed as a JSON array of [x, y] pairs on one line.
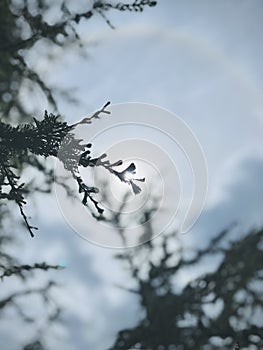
[[201, 60]]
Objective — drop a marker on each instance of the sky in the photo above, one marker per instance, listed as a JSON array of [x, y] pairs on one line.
[[201, 61]]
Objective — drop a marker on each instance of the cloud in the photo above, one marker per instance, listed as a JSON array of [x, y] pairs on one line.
[[241, 203]]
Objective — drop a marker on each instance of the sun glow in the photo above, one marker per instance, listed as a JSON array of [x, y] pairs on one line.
[[129, 176]]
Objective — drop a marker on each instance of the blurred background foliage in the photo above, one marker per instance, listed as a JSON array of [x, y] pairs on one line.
[[26, 24], [216, 310], [218, 306]]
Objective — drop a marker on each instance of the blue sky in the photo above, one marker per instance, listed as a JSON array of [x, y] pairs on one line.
[[202, 60]]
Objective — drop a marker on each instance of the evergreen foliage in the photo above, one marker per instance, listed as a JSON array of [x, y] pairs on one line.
[[219, 309]]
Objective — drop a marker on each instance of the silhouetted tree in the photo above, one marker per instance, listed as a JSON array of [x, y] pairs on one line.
[[221, 309]]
